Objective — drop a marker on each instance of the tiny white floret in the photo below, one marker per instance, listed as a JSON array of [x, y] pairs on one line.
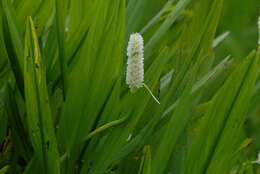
[[135, 62]]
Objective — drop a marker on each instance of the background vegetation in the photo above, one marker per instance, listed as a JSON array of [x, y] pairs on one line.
[[65, 107]]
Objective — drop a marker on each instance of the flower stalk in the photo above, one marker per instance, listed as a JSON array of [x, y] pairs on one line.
[[135, 64]]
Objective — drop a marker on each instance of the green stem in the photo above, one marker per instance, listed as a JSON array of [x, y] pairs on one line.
[[146, 87], [102, 128], [95, 132], [64, 156]]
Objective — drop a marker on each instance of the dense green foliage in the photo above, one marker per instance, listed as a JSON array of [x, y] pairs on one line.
[[65, 107]]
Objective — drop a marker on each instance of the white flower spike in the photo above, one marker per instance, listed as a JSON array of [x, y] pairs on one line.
[[135, 64]]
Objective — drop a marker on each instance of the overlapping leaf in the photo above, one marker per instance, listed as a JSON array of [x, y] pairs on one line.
[[39, 117]]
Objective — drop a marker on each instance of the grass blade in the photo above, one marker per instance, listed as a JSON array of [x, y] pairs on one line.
[[39, 117], [166, 25], [61, 14], [14, 43], [215, 119], [157, 16], [174, 128]]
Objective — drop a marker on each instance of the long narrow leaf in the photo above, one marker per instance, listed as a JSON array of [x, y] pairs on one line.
[[39, 117]]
